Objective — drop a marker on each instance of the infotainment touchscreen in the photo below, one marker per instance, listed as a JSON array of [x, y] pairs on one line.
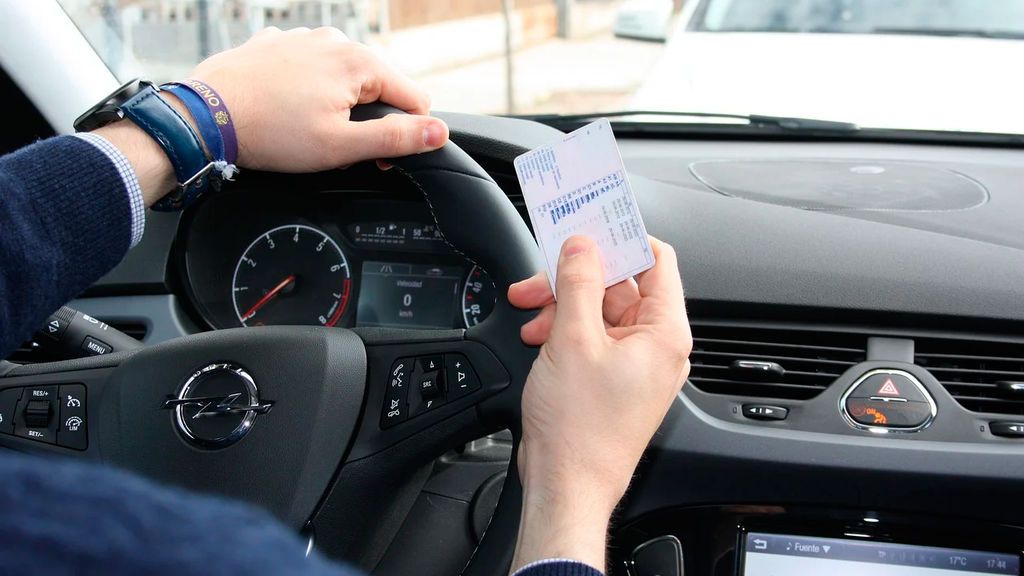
[[784, 555]]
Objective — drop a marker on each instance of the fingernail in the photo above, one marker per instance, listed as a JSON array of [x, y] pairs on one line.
[[433, 135]]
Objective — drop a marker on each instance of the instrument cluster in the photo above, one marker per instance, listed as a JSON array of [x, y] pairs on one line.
[[344, 259]]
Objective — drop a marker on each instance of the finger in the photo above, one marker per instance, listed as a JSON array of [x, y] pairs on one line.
[[663, 280], [620, 298], [661, 289], [382, 165], [579, 288], [533, 292], [620, 332], [383, 82], [536, 331], [331, 32], [393, 136]]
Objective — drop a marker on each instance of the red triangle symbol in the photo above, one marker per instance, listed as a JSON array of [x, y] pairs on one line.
[[889, 389]]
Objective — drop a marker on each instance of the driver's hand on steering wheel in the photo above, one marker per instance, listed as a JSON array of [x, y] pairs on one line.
[[610, 364], [290, 95], [317, 76]]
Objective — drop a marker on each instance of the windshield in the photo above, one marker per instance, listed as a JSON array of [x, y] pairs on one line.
[[950, 65]]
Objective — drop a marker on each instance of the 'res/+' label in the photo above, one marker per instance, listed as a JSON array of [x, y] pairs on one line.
[[578, 185]]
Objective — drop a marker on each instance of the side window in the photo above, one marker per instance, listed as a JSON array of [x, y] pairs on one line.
[[31, 126]]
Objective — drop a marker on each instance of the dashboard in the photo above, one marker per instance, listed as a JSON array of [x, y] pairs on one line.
[[345, 258]]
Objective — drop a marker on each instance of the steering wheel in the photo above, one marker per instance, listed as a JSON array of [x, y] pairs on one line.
[[322, 426]]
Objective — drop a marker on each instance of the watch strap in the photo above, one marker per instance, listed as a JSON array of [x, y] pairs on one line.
[[192, 168]]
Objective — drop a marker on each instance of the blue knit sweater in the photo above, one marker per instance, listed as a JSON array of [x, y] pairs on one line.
[[64, 222]]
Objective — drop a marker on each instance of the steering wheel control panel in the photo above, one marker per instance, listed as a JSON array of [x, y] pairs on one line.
[[53, 414], [417, 385]]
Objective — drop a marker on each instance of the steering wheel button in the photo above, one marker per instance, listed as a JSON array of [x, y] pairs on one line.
[[37, 413], [71, 425], [460, 376], [419, 404], [40, 393], [28, 420], [429, 385], [396, 395], [430, 363]]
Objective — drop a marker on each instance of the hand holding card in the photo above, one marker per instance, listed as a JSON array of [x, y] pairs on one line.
[[579, 186]]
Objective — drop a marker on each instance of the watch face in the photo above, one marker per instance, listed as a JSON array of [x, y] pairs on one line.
[[107, 110]]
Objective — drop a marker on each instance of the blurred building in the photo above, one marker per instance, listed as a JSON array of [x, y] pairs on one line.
[[162, 39]]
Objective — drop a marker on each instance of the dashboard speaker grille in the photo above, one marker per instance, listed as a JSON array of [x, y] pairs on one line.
[[978, 374], [770, 362]]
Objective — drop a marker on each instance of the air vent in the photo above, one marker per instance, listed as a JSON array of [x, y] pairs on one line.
[[980, 375], [771, 362], [28, 353]]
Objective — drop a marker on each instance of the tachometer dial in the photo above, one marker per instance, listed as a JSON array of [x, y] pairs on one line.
[[478, 295], [291, 275]]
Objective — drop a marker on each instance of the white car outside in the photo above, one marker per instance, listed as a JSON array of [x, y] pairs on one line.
[[876, 80]]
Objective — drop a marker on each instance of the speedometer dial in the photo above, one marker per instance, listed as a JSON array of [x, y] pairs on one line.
[[292, 274], [478, 295]]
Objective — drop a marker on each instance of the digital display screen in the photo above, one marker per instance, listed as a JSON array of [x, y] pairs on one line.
[[782, 555], [397, 235], [400, 295]]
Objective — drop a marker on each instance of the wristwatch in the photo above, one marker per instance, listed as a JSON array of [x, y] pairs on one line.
[[109, 109], [139, 101]]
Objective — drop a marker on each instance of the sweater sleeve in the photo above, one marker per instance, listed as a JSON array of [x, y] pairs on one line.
[[65, 220], [558, 567], [67, 517]]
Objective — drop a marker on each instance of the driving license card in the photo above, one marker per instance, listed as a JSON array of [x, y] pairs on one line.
[[579, 186]]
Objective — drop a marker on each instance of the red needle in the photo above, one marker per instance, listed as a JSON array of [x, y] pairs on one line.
[[268, 297]]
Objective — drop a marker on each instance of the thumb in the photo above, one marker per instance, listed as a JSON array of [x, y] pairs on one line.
[[579, 287], [392, 136]]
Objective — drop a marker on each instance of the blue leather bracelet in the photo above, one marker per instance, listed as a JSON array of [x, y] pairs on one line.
[[194, 171], [203, 116]]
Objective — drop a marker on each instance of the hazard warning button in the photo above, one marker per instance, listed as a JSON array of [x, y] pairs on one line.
[[889, 386], [888, 398]]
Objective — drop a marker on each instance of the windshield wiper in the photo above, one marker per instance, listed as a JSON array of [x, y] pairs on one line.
[[969, 32], [787, 123]]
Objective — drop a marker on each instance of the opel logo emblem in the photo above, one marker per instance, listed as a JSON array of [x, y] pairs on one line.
[[216, 406]]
